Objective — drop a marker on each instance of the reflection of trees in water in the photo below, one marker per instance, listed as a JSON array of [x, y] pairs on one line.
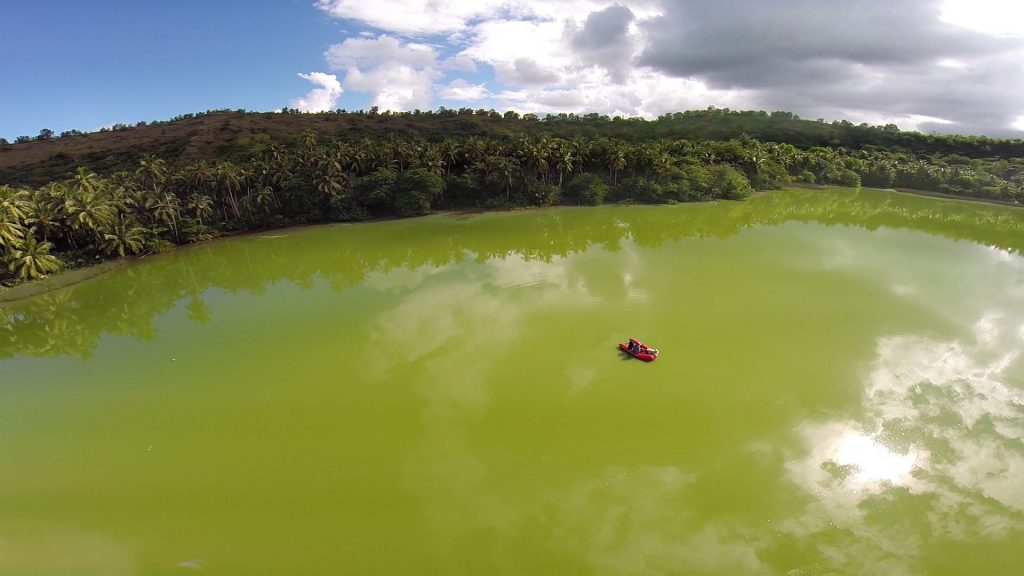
[[70, 321]]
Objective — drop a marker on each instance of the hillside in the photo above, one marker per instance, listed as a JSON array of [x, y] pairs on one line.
[[239, 135]]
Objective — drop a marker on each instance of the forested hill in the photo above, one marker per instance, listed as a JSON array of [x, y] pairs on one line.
[[240, 135]]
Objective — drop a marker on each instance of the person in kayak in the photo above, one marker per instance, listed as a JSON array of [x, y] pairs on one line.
[[637, 348]]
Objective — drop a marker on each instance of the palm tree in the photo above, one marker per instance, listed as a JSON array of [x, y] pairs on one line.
[[14, 206], [564, 163], [123, 237], [449, 150], [329, 183], [152, 171], [434, 160], [474, 150], [616, 161], [498, 170], [88, 212], [229, 180], [199, 176], [264, 198], [33, 260], [46, 219], [201, 206], [86, 182], [663, 163], [580, 148], [165, 208], [12, 234]]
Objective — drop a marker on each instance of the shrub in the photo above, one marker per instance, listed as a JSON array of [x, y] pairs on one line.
[[376, 192], [344, 208], [849, 178], [587, 189], [729, 183], [415, 190], [541, 194]]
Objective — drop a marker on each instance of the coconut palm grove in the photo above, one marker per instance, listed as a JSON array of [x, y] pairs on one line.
[[73, 199]]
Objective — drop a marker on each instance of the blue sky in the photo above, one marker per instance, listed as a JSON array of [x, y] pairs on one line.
[[88, 63], [943, 65]]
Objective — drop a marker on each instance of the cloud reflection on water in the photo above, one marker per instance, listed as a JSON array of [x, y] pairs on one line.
[[942, 432]]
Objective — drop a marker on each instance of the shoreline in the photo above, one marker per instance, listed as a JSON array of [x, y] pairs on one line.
[[61, 279], [70, 277], [945, 196]]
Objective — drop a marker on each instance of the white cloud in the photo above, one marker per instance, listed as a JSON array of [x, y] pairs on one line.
[[461, 90], [502, 44], [319, 99], [643, 94], [369, 52], [395, 86], [904, 121], [459, 62], [444, 16], [994, 17], [399, 75]]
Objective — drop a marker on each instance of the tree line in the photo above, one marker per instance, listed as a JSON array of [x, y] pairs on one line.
[[158, 204], [708, 124]]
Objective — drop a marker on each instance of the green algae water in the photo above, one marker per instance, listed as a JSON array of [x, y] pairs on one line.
[[840, 391]]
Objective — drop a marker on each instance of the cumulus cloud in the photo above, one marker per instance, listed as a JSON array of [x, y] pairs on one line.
[[461, 90], [319, 99], [945, 65], [459, 62], [645, 94], [368, 52], [525, 72], [399, 75], [521, 53]]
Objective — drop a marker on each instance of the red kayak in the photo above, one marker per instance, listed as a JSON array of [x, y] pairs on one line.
[[639, 351]]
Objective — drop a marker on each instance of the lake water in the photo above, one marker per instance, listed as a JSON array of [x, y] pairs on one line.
[[840, 391]]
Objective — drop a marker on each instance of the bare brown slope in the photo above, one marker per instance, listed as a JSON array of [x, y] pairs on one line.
[[213, 136]]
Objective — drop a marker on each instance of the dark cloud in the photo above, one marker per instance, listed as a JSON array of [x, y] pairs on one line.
[[602, 27], [841, 59], [604, 40]]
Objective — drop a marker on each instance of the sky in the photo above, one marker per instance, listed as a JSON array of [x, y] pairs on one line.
[[930, 65]]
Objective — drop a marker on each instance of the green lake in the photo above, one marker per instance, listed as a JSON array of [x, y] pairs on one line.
[[840, 391]]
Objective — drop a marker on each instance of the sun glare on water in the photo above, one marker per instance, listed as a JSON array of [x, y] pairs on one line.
[[873, 462]]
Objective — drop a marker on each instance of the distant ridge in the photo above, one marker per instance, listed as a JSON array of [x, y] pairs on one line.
[[239, 135]]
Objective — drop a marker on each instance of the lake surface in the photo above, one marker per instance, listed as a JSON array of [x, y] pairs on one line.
[[840, 391]]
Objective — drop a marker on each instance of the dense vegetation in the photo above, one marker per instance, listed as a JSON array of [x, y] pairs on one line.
[[83, 216], [239, 135]]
